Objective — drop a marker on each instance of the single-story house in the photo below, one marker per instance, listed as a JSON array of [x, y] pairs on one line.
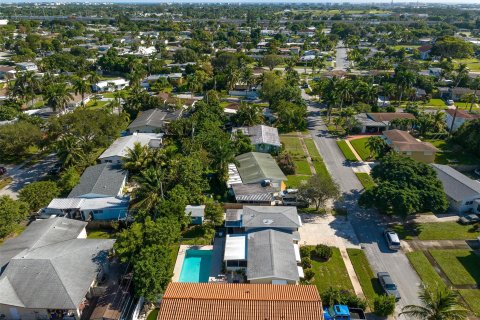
[[110, 85], [153, 120], [251, 218], [378, 122], [77, 101], [7, 72], [460, 116], [100, 181], [239, 301], [263, 138], [51, 270], [88, 209], [454, 94], [257, 179], [404, 143], [424, 51], [197, 213], [27, 66], [269, 256], [120, 147], [462, 192], [383, 101]]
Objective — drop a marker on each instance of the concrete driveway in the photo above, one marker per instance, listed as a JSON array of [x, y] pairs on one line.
[[327, 229], [23, 175]]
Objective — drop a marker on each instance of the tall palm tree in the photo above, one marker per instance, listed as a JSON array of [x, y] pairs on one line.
[[404, 80], [439, 305], [344, 92], [57, 96], [377, 145], [136, 158], [93, 78], [82, 87], [69, 151], [150, 191], [25, 86]]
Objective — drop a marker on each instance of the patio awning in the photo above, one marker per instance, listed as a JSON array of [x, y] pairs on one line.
[[235, 247], [297, 252]]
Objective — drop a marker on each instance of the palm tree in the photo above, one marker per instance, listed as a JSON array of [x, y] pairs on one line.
[[69, 152], [136, 158], [25, 86], [93, 78], [475, 86], [150, 191], [233, 75], [377, 145], [344, 91], [470, 98], [82, 87], [439, 305], [405, 80], [224, 155], [57, 96]]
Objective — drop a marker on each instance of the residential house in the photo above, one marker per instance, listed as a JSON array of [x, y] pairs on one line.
[[243, 90], [460, 116], [462, 192], [404, 143], [51, 270], [110, 85], [251, 218], [378, 122], [257, 179], [436, 72], [263, 138], [88, 209], [27, 66], [197, 213], [454, 94], [154, 120], [7, 72], [120, 147], [100, 181], [424, 51], [78, 101], [239, 301]]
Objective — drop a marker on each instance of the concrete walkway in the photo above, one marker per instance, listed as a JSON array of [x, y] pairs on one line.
[[442, 244], [351, 272], [354, 151], [435, 218]]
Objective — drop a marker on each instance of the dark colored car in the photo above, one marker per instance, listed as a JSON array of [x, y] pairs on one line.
[[388, 285], [3, 170], [469, 219]]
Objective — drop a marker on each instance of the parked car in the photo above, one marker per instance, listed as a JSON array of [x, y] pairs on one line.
[[3, 170], [393, 241], [469, 219], [450, 102], [388, 285]]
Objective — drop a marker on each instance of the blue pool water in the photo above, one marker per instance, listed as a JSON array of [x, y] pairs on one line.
[[196, 266]]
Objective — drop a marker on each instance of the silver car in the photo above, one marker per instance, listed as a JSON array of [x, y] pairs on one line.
[[388, 285], [393, 241]]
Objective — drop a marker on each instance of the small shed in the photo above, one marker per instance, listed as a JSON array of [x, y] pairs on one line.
[[197, 213]]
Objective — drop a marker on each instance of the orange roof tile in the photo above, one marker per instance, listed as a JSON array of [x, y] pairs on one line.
[[202, 301]]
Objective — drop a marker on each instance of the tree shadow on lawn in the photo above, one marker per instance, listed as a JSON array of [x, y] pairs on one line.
[[471, 263]]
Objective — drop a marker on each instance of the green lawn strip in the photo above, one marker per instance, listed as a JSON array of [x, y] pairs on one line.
[[99, 234], [436, 103], [472, 298], [347, 152], [425, 270], [360, 146], [153, 314], [436, 231], [292, 145], [302, 167], [294, 181], [368, 281], [332, 273], [5, 182], [365, 179], [312, 148], [460, 266]]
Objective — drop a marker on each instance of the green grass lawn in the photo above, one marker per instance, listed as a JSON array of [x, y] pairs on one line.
[[436, 231], [18, 229], [5, 182], [347, 152], [332, 273], [451, 152], [100, 234], [302, 167], [96, 104], [153, 314], [368, 281], [360, 146], [365, 179], [292, 145], [436, 103], [425, 270], [460, 266], [312, 148], [472, 63], [294, 181], [472, 297]]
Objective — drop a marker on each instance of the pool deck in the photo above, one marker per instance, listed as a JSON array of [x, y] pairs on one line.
[[217, 258]]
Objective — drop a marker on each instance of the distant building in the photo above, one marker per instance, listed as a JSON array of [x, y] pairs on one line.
[[378, 122], [27, 66], [424, 51], [110, 85], [263, 138], [461, 116], [154, 120]]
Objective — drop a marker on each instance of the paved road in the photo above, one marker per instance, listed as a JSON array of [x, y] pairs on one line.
[[367, 225], [341, 57], [23, 175]]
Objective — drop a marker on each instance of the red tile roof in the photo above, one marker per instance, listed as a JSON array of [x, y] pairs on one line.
[[225, 301]]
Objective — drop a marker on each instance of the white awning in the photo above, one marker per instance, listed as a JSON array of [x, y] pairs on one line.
[[300, 272], [235, 247], [297, 252]]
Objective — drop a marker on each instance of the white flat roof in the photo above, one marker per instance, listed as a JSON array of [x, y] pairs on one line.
[[300, 272], [235, 247], [297, 252]]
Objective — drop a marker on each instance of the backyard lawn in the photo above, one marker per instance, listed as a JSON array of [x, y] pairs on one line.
[[292, 145], [365, 179], [472, 63], [453, 153], [425, 270], [347, 152], [460, 266], [360, 146], [436, 231], [302, 167], [436, 103], [332, 273], [100, 234], [368, 281], [294, 181]]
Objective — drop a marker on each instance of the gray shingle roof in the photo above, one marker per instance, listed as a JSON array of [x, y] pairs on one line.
[[121, 145], [53, 275], [270, 217], [156, 118], [456, 185], [255, 167], [261, 134], [271, 255], [103, 179]]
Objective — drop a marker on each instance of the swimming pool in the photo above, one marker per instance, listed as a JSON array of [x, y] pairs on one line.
[[196, 266]]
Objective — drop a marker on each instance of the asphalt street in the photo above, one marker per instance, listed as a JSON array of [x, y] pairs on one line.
[[368, 225], [23, 175], [341, 57]]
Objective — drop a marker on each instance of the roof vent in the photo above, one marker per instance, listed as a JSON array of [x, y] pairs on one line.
[[267, 221]]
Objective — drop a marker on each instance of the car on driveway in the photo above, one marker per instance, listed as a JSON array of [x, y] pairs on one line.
[[469, 219], [393, 241], [388, 285]]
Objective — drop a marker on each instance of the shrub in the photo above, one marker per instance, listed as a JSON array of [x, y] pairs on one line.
[[336, 296], [306, 263], [309, 274], [305, 251], [285, 162], [322, 252], [384, 305], [39, 194]]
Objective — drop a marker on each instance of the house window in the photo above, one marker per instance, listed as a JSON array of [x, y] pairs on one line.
[[468, 203]]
